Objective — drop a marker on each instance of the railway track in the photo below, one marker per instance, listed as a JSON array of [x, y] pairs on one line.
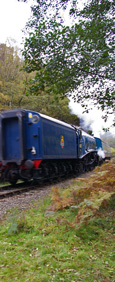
[[9, 191], [19, 188]]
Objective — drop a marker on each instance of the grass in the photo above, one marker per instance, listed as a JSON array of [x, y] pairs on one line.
[[43, 245]]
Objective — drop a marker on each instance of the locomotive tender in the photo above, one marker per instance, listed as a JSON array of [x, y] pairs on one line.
[[35, 146]]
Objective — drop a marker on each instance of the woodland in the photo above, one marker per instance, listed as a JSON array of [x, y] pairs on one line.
[[15, 84]]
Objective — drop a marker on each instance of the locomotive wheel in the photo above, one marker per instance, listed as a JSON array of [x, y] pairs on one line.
[[75, 169], [55, 170], [81, 167]]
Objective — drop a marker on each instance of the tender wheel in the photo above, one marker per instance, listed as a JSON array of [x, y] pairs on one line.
[[12, 176]]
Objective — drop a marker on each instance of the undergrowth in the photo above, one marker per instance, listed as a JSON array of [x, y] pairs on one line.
[[87, 195], [68, 236]]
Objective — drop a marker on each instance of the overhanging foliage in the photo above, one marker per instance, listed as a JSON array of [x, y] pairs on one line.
[[75, 58]]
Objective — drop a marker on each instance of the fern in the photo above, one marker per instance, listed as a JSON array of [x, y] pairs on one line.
[[88, 195]]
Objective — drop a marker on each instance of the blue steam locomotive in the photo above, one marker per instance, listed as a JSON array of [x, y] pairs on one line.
[[35, 146]]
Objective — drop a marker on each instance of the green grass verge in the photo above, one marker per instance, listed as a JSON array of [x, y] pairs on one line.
[[40, 246]]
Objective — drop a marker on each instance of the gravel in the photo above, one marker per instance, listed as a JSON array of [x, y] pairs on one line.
[[27, 199]]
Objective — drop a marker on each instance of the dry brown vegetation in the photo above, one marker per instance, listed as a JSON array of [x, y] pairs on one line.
[[87, 195]]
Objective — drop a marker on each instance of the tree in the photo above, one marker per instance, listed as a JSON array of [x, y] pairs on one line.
[[16, 89], [74, 60], [12, 81], [56, 108]]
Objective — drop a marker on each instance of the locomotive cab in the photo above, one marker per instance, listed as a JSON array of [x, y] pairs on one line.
[[87, 151]]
